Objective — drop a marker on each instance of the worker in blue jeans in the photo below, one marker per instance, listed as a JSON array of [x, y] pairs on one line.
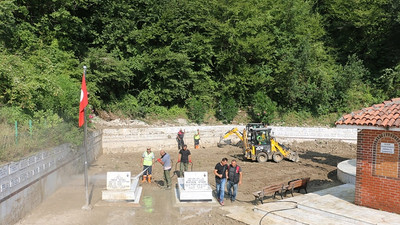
[[234, 179], [221, 173]]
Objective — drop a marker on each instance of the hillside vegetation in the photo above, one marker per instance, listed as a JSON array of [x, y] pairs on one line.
[[276, 60]]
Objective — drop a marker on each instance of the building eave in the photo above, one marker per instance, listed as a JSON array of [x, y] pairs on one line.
[[359, 127]]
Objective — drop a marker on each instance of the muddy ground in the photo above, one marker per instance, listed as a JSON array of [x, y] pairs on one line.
[[158, 206]]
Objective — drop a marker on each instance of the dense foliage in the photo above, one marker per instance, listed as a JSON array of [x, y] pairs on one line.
[[151, 56], [227, 109]]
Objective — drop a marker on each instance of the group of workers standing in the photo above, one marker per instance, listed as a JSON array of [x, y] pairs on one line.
[[184, 158], [148, 160], [181, 142], [231, 175]]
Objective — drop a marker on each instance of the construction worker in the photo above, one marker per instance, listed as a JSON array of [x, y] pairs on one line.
[[184, 158], [221, 173], [165, 161], [261, 138], [196, 138], [179, 139], [234, 179], [147, 162]]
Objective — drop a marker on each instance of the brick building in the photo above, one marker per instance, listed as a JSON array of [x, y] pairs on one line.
[[378, 155]]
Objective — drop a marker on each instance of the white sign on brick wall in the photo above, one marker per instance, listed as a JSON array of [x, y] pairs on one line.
[[387, 148]]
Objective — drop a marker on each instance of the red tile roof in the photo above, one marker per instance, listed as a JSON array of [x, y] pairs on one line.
[[386, 114]]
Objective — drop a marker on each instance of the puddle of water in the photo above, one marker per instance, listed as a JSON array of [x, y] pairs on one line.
[[148, 204]]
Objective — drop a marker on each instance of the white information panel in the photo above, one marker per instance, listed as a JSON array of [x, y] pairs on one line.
[[118, 180], [387, 148]]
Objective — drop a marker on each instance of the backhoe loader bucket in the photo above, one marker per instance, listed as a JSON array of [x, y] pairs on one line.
[[222, 142], [293, 156]]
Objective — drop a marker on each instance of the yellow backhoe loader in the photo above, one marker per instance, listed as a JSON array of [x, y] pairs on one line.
[[259, 145]]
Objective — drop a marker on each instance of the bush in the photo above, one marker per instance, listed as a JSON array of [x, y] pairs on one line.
[[128, 106], [263, 108], [11, 114], [227, 109], [163, 113], [196, 110]]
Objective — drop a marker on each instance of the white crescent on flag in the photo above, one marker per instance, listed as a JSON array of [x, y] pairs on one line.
[[81, 95]]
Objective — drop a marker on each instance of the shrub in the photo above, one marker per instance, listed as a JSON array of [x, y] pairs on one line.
[[196, 110], [128, 106], [227, 110], [263, 108], [11, 114]]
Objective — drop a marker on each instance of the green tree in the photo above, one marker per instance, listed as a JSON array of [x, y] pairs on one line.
[[369, 29], [263, 108], [195, 110], [227, 109]]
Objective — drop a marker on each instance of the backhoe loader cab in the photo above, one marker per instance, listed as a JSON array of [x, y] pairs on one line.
[[250, 126], [258, 144]]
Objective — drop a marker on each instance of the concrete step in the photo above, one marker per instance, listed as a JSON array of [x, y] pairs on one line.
[[312, 208], [333, 205], [329, 206], [291, 213]]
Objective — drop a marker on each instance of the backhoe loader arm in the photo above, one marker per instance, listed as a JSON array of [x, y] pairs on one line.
[[286, 152], [233, 131], [278, 147]]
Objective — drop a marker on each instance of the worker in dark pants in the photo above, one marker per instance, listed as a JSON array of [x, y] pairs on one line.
[[165, 161], [179, 139], [234, 179]]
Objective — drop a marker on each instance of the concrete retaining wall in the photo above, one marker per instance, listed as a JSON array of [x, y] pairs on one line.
[[289, 134], [26, 183], [137, 139]]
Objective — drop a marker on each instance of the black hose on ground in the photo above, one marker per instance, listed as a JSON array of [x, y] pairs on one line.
[[278, 209]]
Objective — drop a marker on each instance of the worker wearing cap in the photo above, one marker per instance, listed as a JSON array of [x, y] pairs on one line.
[[147, 162]]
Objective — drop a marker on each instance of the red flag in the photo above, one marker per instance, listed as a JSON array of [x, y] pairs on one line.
[[84, 102]]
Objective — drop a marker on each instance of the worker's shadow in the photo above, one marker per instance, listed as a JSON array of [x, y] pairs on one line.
[[160, 183], [226, 196], [241, 158]]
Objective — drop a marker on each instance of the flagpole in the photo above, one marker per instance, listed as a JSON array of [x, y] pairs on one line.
[[87, 206]]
